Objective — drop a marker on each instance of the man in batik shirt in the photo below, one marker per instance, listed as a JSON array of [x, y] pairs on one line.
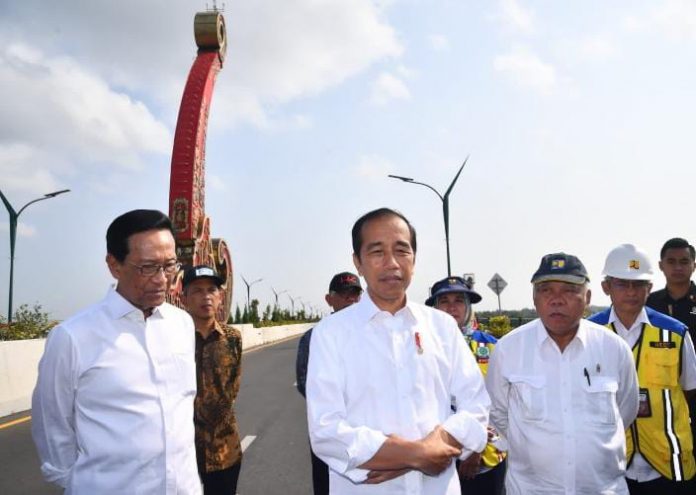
[[218, 371]]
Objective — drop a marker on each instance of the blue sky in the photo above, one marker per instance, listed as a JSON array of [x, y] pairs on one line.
[[577, 117]]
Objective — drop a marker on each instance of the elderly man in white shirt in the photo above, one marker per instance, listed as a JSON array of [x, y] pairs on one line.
[[112, 411], [393, 394], [563, 390]]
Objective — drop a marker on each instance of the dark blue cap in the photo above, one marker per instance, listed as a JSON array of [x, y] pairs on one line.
[[561, 267], [451, 285]]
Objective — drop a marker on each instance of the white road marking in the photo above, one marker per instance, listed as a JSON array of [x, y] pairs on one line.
[[246, 441]]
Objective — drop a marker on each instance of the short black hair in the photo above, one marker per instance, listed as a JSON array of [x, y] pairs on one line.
[[133, 222], [374, 215], [678, 243]]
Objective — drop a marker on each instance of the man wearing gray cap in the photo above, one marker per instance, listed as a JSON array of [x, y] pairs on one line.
[[659, 442], [563, 390]]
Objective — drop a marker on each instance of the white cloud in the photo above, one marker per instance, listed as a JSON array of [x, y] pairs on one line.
[[676, 19], [23, 230], [215, 182], [59, 106], [439, 42], [374, 167], [25, 169], [526, 69], [516, 17], [388, 87], [597, 48]]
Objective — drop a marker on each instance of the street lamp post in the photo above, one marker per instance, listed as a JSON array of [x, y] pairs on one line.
[[248, 286], [276, 294], [445, 205], [292, 302], [14, 215]]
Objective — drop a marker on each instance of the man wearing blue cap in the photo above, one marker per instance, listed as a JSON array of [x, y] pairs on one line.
[[483, 472], [218, 374], [563, 389]]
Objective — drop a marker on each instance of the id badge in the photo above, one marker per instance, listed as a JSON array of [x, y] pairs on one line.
[[644, 410]]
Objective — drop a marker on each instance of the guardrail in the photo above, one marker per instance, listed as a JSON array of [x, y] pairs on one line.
[[19, 362]]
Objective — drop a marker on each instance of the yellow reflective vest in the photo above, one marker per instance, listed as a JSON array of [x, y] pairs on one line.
[[481, 345], [661, 432]]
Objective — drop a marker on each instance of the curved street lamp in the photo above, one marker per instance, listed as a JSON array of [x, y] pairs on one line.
[[276, 294], [14, 215], [445, 205], [248, 286]]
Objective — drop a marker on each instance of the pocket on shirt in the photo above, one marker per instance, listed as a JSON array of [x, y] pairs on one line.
[[530, 391], [662, 367], [601, 400]]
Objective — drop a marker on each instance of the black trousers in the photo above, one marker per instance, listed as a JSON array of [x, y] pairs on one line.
[[661, 486], [489, 483], [320, 475], [223, 482]]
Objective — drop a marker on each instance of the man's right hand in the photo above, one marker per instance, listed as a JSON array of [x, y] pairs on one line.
[[436, 453]]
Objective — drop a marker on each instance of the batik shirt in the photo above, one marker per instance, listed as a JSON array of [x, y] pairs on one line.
[[218, 372]]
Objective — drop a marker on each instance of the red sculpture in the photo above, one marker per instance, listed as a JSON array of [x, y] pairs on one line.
[[194, 245]]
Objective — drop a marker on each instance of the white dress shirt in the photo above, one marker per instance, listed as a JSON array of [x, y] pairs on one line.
[[112, 411], [367, 379], [639, 469], [563, 414]]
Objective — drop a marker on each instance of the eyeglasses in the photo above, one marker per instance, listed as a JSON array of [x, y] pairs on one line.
[[622, 284], [150, 270]]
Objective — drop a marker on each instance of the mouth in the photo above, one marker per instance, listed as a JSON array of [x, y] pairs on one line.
[[390, 279]]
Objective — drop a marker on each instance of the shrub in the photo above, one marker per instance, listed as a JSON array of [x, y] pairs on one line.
[[28, 323], [499, 325]]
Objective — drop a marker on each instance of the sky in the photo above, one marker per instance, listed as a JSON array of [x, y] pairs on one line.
[[577, 118]]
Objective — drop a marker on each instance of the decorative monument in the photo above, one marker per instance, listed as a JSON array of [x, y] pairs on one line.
[[194, 245]]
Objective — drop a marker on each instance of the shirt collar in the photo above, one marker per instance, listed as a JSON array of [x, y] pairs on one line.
[[119, 307], [542, 335], [216, 328], [367, 310], [642, 318]]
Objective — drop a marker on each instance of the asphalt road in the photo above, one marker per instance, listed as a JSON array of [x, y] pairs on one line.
[[272, 424]]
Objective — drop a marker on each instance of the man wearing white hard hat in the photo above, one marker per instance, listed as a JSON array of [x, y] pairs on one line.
[[659, 443]]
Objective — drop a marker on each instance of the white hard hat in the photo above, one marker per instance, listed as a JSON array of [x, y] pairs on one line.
[[629, 263]]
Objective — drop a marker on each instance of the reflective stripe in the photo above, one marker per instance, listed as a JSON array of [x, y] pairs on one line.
[[671, 437]]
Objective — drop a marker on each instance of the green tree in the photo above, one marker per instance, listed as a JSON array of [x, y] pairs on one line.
[[245, 315], [254, 311], [267, 313], [237, 315]]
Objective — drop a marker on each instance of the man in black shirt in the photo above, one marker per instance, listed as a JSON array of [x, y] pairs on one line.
[[678, 298]]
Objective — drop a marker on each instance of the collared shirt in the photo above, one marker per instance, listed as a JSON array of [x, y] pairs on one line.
[[683, 309], [112, 411], [218, 370], [639, 469], [563, 413], [372, 374]]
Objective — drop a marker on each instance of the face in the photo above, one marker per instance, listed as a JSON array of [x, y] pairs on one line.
[[560, 305], [627, 296], [152, 247], [677, 265], [455, 304], [202, 298], [339, 300], [386, 261]]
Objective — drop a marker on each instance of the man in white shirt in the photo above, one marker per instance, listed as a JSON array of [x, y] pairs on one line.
[[385, 375], [659, 443], [112, 411], [563, 390]]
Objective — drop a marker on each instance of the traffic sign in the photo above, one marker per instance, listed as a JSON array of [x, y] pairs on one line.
[[497, 284]]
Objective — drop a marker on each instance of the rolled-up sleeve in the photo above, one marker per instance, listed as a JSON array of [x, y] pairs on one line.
[[53, 426], [469, 424], [340, 444]]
